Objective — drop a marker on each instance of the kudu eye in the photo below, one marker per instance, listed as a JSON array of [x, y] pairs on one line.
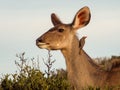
[[60, 30]]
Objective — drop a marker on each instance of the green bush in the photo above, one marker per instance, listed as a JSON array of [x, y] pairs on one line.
[[29, 76]]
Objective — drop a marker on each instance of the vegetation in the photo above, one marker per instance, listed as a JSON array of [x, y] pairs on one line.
[[29, 76], [108, 63]]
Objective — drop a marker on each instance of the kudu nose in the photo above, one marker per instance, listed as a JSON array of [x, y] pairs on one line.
[[39, 40]]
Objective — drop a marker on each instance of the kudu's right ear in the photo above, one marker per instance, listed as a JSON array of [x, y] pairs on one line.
[[81, 18], [55, 20]]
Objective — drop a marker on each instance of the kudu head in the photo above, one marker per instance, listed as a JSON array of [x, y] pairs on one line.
[[61, 35]]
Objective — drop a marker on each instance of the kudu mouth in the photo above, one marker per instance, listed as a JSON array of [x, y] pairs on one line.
[[41, 44]]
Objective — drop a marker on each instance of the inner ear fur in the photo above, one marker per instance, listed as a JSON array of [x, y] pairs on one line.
[[81, 18]]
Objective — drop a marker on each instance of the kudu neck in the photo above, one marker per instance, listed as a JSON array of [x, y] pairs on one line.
[[75, 59], [72, 50]]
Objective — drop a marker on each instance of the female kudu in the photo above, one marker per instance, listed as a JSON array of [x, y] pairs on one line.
[[82, 71]]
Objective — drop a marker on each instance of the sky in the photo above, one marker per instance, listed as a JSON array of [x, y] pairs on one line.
[[23, 21]]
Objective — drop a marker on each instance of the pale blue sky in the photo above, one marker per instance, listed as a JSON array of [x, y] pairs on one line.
[[22, 21]]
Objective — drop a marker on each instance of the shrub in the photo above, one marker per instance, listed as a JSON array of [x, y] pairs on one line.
[[29, 77]]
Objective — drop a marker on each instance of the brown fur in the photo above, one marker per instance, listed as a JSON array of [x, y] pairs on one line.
[[82, 71]]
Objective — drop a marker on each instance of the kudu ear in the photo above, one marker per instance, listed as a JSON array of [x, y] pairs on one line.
[[55, 20], [81, 18], [82, 42]]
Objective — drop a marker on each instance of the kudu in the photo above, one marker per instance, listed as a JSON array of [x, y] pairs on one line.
[[82, 71]]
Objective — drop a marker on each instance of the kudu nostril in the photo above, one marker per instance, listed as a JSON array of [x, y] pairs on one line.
[[40, 40]]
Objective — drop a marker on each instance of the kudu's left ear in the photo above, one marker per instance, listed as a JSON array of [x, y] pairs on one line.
[[82, 42], [81, 18], [55, 20]]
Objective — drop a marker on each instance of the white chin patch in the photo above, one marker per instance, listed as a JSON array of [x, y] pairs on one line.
[[43, 45]]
